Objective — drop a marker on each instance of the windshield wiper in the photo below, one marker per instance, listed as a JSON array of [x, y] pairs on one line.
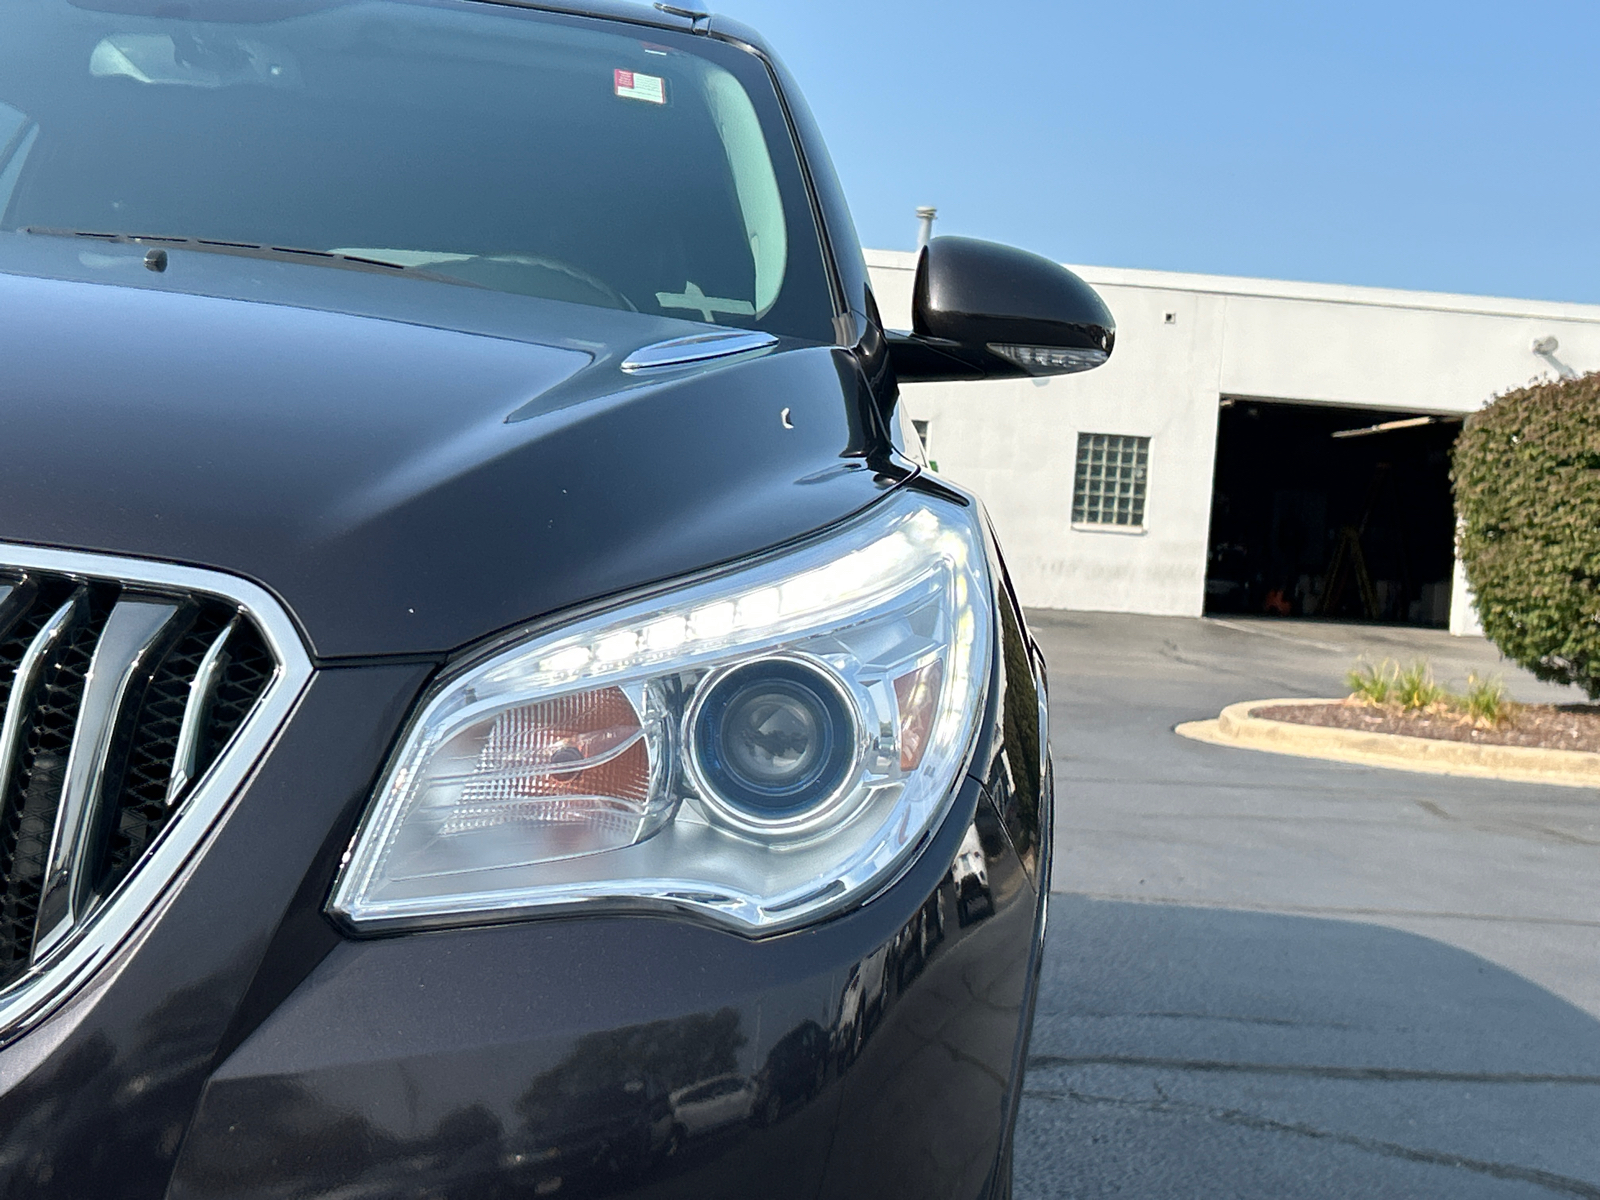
[[352, 262]]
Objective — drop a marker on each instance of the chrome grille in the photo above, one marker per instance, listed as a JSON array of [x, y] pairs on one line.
[[126, 693]]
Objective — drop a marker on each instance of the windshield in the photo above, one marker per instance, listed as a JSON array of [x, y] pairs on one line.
[[566, 158]]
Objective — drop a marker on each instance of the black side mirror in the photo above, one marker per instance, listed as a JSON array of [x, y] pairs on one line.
[[985, 311]]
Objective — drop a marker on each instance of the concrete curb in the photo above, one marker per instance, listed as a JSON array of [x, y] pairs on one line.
[[1514, 764]]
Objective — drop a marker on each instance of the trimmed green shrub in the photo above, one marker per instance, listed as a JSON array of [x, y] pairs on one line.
[[1527, 484]]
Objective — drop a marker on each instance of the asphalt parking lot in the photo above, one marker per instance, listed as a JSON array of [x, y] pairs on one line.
[[1275, 977]]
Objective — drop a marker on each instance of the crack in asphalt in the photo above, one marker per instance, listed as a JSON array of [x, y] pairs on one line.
[[1571, 839], [1172, 651], [1276, 635], [1362, 1074], [1509, 828], [1560, 1184]]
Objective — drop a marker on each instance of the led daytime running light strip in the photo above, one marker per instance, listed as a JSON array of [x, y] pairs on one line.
[[849, 584]]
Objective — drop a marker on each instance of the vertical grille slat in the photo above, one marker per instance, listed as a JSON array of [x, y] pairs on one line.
[[36, 638], [132, 629], [202, 689], [20, 656], [35, 735], [147, 798], [21, 592], [115, 702], [247, 667]]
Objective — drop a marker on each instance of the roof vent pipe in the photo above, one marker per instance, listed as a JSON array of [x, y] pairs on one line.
[[1545, 347], [925, 219]]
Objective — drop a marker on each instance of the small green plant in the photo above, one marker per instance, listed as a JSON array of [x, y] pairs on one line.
[[1485, 700], [1388, 683], [1415, 687], [1372, 682]]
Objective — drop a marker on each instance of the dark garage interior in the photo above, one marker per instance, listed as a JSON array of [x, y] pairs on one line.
[[1322, 511]]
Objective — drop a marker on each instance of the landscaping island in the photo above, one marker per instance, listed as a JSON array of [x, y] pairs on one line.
[[1545, 726], [1401, 718]]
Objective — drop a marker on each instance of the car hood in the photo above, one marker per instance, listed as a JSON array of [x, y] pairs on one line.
[[406, 488]]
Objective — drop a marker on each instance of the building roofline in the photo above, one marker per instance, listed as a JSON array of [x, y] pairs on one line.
[[1282, 289]]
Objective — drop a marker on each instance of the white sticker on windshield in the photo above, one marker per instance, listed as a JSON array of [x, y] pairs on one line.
[[633, 86]]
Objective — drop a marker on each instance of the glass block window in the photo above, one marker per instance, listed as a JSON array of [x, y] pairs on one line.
[[1110, 485]]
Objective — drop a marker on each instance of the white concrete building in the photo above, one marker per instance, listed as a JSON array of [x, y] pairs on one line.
[[1199, 353]]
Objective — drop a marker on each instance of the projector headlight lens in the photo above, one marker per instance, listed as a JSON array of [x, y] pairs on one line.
[[760, 748], [773, 741]]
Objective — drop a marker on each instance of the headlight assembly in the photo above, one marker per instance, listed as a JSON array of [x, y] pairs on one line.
[[762, 747]]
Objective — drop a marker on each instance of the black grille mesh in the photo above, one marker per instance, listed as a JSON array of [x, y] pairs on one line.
[[244, 678], [133, 795], [141, 811]]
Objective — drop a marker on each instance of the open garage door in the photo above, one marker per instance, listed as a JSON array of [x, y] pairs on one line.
[[1328, 511]]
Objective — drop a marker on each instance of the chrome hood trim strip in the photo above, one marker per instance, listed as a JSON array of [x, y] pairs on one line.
[[699, 347]]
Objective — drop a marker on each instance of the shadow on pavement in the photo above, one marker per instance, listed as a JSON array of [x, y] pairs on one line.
[[1188, 1052]]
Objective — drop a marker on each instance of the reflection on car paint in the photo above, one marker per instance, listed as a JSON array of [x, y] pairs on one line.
[[660, 1103], [1015, 776], [974, 900], [711, 1105]]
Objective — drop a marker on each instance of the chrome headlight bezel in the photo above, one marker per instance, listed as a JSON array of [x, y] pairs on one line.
[[750, 872]]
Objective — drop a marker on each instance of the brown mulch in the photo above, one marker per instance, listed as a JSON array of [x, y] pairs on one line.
[[1546, 726]]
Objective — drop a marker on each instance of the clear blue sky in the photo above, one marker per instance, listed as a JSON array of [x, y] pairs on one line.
[[1415, 143]]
